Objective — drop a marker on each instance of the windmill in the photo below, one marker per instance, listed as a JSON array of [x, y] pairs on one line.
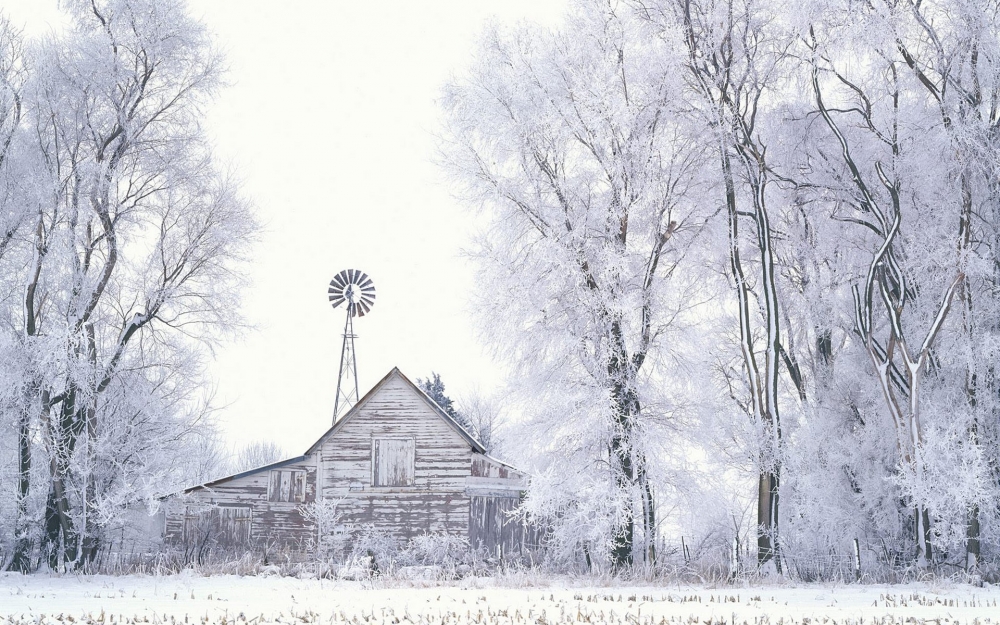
[[358, 290]]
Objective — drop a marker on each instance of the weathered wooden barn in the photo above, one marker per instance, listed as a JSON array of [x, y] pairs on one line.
[[396, 462]]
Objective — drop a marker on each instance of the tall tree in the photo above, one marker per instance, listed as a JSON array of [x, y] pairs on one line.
[[570, 140], [915, 145], [12, 218], [844, 144], [127, 258], [734, 64]]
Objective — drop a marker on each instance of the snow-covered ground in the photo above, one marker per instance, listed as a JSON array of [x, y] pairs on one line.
[[189, 598]]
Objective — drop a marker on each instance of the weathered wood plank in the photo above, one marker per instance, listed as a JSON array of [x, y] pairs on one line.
[[495, 526]]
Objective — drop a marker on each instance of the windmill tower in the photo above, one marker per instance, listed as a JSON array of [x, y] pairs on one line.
[[358, 290]]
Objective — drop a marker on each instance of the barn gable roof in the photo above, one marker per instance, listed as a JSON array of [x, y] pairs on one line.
[[476, 445]]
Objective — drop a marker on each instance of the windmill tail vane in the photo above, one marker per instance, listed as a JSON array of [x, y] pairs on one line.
[[357, 290]]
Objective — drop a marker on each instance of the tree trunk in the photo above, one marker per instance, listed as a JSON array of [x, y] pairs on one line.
[[972, 552], [925, 555], [622, 445], [89, 544], [763, 395], [22, 543], [767, 519], [621, 553], [649, 513], [971, 390], [767, 498], [21, 560], [58, 513]]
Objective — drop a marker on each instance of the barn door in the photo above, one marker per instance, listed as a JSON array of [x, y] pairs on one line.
[[234, 524], [221, 525]]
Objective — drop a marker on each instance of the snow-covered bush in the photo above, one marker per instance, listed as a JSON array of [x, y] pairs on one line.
[[438, 548], [377, 547]]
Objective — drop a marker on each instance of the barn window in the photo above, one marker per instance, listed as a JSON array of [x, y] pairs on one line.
[[287, 485], [392, 462]]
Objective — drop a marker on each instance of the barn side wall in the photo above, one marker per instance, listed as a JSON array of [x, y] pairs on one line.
[[496, 491], [215, 514]]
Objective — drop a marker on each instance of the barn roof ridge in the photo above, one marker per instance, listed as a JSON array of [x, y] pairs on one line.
[[476, 445]]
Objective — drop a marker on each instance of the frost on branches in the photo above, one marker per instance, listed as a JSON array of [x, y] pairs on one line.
[[119, 243], [704, 214], [570, 140], [915, 167]]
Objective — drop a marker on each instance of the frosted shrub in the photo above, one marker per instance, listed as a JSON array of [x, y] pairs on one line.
[[438, 548], [376, 546]]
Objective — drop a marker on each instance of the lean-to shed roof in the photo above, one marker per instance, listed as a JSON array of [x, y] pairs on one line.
[[266, 467]]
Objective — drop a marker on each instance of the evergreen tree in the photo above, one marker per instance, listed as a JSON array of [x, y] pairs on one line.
[[434, 388]]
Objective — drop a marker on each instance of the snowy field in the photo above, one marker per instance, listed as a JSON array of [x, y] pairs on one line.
[[234, 600]]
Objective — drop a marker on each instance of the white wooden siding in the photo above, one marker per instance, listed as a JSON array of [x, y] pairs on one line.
[[275, 522], [442, 458]]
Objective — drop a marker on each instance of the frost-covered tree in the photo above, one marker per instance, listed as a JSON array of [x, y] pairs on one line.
[[570, 141], [849, 150], [122, 246], [487, 419], [256, 454], [907, 155], [15, 435], [735, 64]]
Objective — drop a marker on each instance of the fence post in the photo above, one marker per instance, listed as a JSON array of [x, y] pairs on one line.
[[684, 552], [857, 560]]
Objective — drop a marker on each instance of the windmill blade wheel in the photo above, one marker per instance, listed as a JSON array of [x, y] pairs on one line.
[[354, 287]]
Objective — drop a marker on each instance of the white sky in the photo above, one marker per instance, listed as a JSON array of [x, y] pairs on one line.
[[330, 119]]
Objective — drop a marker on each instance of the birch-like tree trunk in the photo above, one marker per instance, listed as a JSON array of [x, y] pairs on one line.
[[731, 61]]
